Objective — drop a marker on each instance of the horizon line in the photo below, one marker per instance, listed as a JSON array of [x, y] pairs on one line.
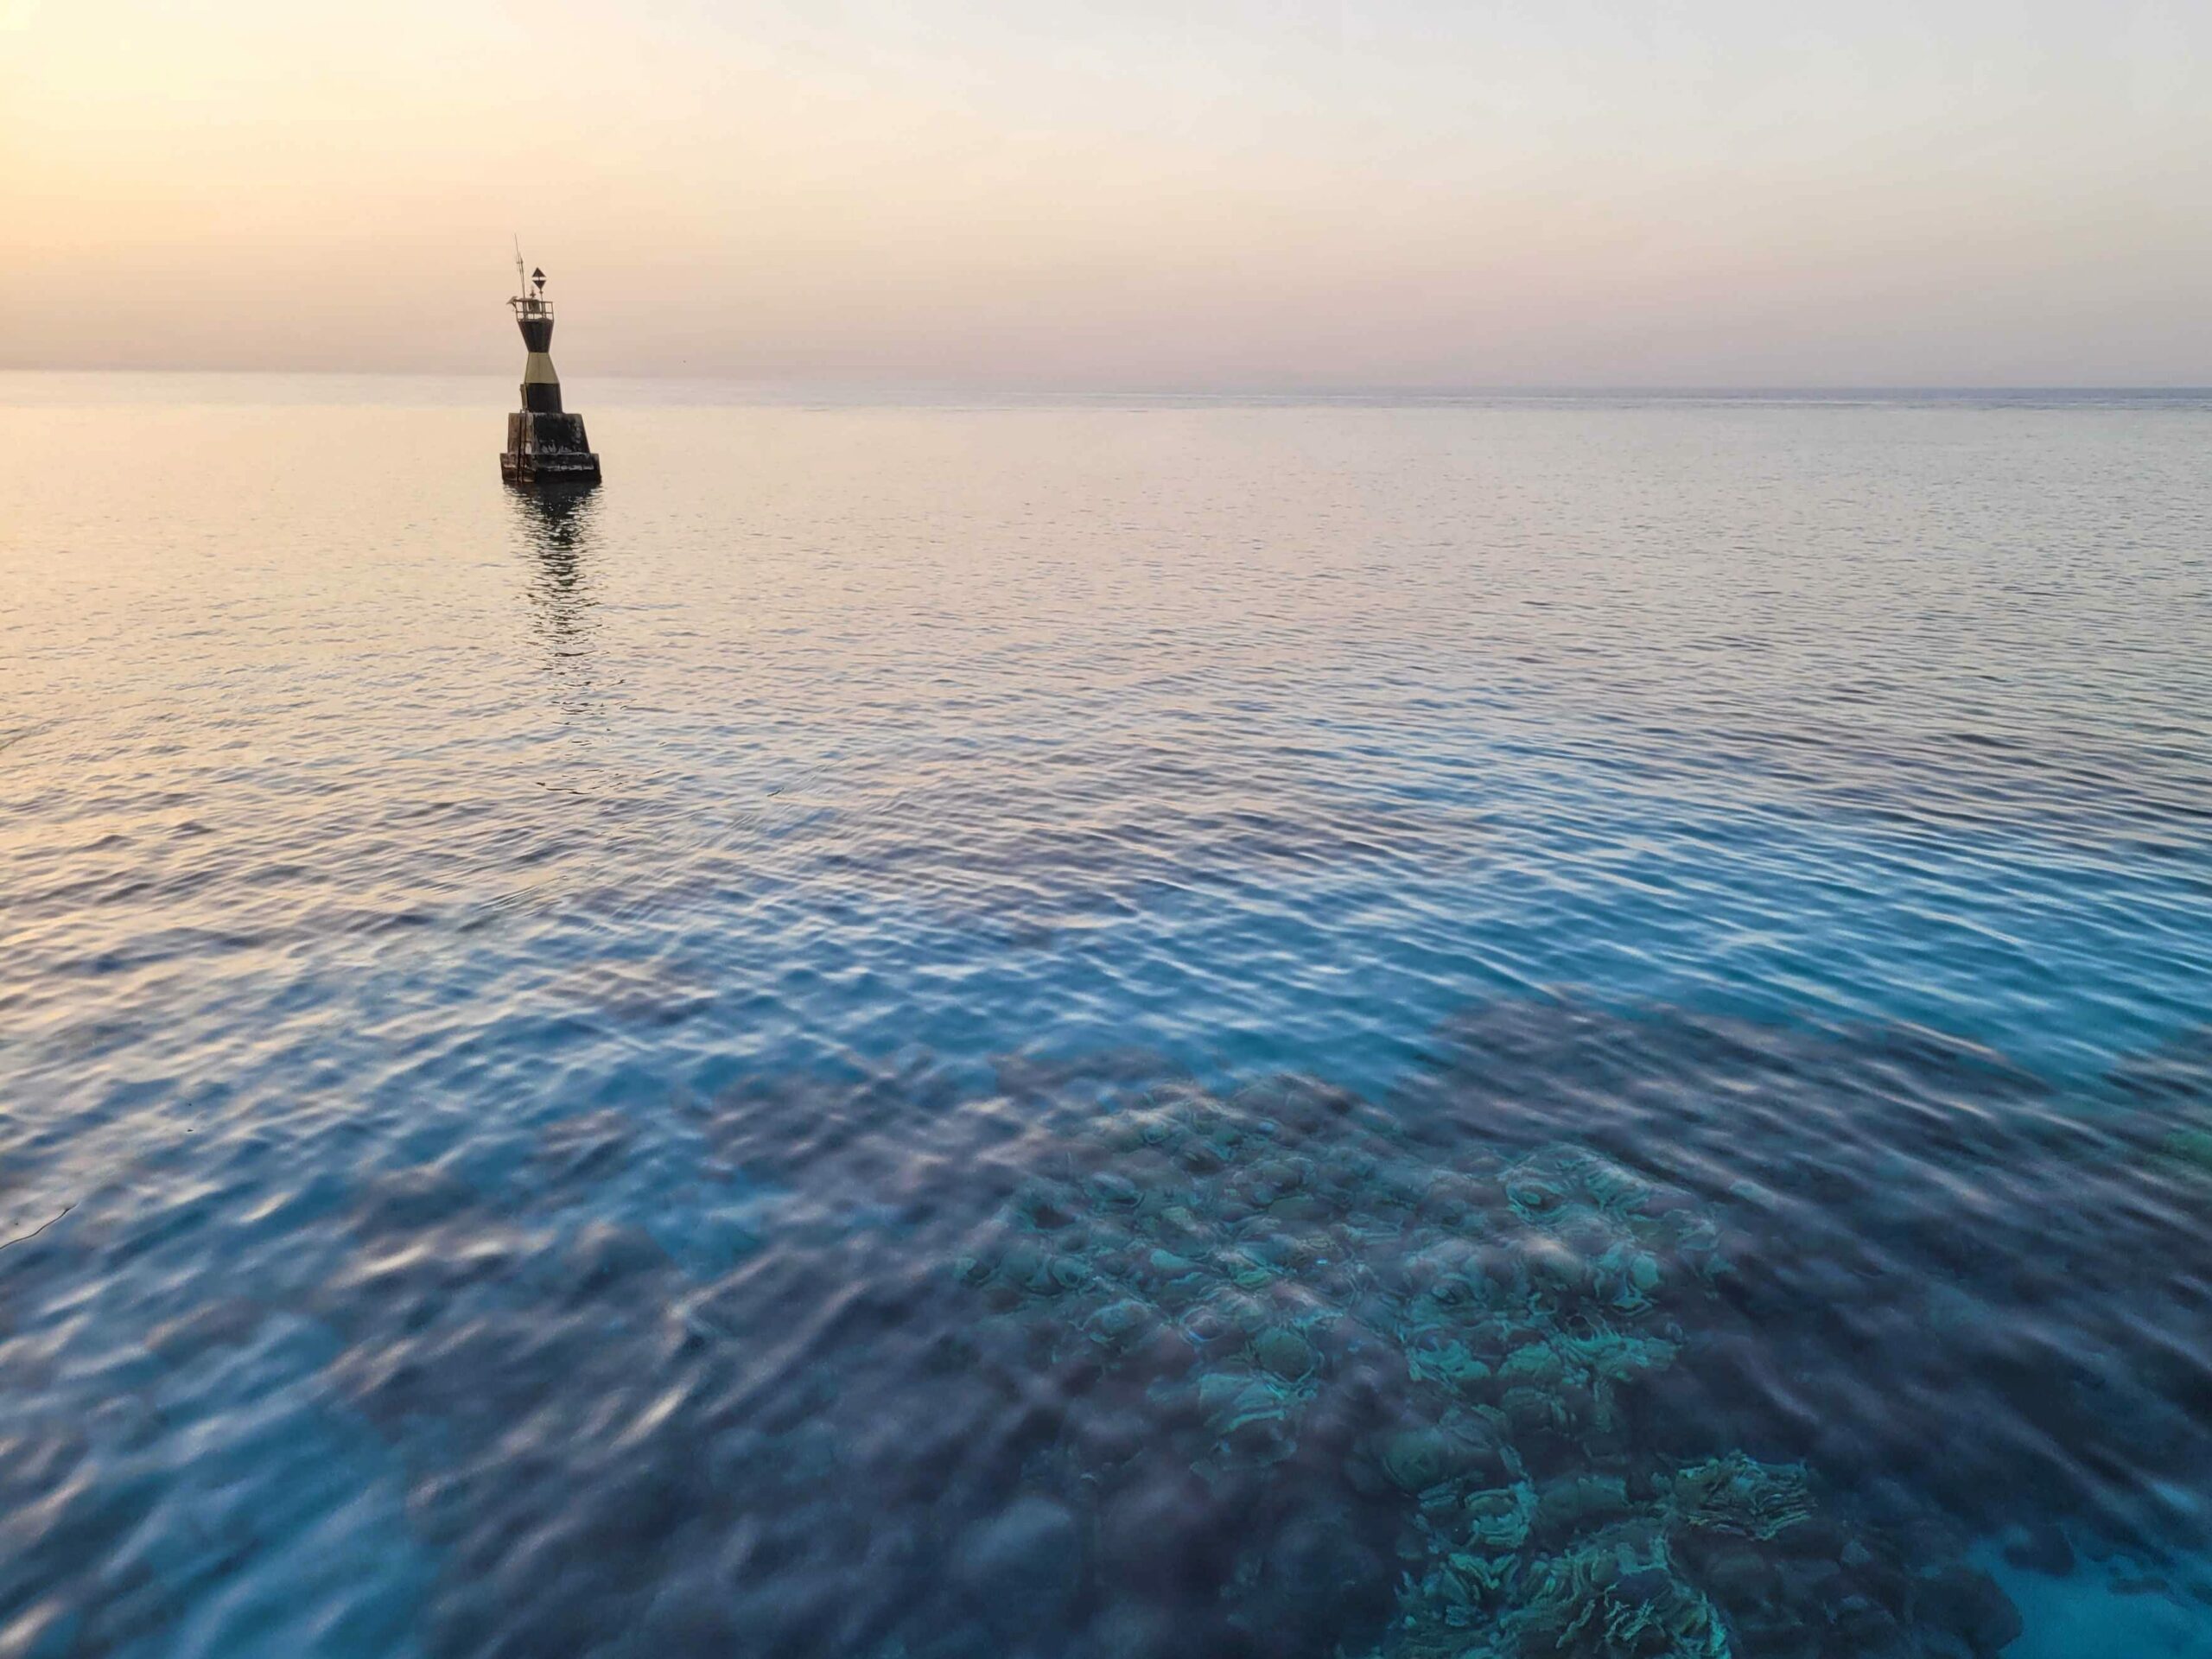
[[865, 381]]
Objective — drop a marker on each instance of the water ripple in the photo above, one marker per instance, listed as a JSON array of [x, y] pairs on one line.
[[1538, 1026]]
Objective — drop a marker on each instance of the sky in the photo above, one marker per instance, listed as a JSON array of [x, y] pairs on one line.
[[1245, 194]]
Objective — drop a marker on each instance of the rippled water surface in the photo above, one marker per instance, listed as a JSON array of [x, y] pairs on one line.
[[1449, 1031]]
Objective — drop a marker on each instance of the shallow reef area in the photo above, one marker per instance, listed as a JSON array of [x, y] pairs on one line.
[[1616, 1336], [1466, 1346]]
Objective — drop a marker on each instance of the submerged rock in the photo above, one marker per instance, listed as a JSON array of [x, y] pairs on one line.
[[1580, 1504], [1739, 1494], [2040, 1546], [1285, 1354], [1418, 1460], [1023, 1568], [1969, 1604]]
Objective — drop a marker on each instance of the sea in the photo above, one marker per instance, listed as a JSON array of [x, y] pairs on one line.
[[944, 1026]]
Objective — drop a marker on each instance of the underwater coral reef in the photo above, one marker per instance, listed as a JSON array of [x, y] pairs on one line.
[[1468, 1341]]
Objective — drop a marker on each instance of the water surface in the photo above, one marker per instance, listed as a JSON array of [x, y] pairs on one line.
[[1485, 1027]]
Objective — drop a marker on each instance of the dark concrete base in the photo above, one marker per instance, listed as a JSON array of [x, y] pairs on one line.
[[562, 467], [548, 447]]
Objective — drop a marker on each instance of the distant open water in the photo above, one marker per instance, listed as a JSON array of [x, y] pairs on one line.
[[1457, 1029]]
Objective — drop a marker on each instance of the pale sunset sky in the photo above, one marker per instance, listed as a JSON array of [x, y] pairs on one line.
[[1129, 194]]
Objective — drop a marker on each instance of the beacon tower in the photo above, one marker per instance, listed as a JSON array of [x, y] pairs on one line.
[[544, 445]]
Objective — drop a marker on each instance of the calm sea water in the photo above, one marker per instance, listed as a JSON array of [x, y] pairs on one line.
[[1442, 1030]]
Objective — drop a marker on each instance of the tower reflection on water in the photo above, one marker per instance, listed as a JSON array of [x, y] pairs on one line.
[[554, 526]]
